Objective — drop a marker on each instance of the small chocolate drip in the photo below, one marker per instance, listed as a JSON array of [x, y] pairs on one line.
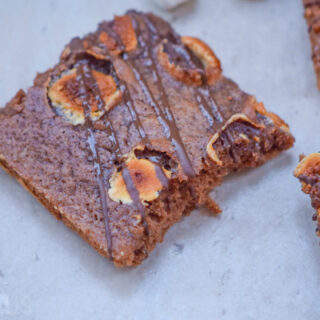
[[236, 158], [144, 138], [227, 141], [92, 84], [204, 91], [210, 111], [165, 116], [161, 175], [205, 110], [89, 82], [133, 113], [206, 101], [134, 194], [84, 76]]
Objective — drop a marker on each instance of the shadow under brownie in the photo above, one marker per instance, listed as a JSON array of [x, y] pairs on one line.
[[130, 131]]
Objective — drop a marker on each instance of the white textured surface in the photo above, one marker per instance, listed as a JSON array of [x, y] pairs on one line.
[[259, 260]]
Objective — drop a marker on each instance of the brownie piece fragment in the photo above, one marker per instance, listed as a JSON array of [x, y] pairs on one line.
[[308, 172], [312, 15], [130, 131]]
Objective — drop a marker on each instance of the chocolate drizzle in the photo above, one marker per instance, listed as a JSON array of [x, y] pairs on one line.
[[148, 38], [134, 194], [139, 127], [85, 80], [210, 105], [86, 83], [181, 54], [206, 101], [165, 115]]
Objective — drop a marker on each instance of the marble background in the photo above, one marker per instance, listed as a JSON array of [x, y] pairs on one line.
[[259, 260]]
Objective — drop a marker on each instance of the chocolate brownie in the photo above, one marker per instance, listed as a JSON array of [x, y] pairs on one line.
[[308, 172], [312, 15], [130, 131]]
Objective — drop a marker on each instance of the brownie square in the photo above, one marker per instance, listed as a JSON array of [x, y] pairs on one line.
[[130, 131]]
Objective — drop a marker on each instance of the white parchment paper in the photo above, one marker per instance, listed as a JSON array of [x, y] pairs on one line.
[[259, 260]]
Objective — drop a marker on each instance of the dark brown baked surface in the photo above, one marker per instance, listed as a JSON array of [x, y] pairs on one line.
[[130, 131], [308, 172], [312, 15]]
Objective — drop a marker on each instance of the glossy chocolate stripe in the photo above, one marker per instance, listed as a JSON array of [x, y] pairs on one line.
[[207, 104], [133, 112], [83, 74], [144, 137], [134, 195], [210, 110], [145, 140], [204, 91], [129, 103], [92, 84], [165, 117]]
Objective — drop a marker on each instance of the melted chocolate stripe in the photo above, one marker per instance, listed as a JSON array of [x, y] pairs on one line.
[[207, 100], [134, 195], [92, 84], [207, 104], [84, 73], [165, 117], [133, 112], [144, 137], [207, 96], [206, 111], [236, 158], [133, 191], [204, 98], [167, 122], [217, 115]]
